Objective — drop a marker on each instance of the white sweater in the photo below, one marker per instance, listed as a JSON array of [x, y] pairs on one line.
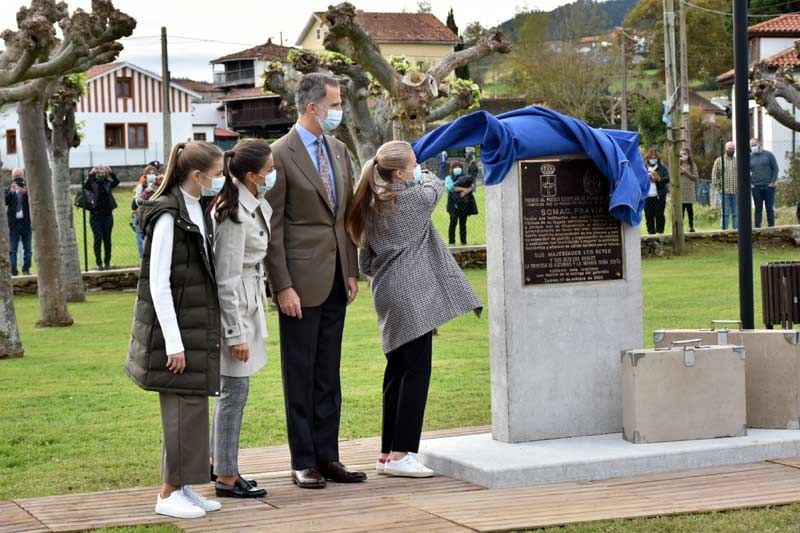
[[161, 270]]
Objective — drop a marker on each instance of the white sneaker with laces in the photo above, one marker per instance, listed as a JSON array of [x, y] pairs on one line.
[[201, 501], [408, 466], [380, 467], [178, 505]]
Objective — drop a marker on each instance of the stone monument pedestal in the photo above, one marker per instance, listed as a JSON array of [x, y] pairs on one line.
[[565, 299]]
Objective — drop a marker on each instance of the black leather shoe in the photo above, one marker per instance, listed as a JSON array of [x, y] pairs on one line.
[[308, 478], [251, 482], [339, 473], [240, 489]]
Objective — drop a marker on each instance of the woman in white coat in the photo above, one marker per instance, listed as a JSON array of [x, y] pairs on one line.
[[241, 234]]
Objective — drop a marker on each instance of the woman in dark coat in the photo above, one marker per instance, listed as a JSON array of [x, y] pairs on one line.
[[460, 201]]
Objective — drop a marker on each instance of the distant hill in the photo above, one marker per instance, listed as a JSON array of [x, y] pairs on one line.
[[612, 12]]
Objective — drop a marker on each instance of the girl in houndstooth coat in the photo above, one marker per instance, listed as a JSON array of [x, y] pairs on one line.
[[416, 287]]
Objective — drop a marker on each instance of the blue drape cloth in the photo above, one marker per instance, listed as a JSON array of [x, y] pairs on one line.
[[538, 132]]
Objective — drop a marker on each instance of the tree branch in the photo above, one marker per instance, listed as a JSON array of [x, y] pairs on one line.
[[460, 100], [347, 37], [492, 43], [769, 84]]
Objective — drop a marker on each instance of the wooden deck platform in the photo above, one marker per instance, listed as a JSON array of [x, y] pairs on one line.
[[409, 505]]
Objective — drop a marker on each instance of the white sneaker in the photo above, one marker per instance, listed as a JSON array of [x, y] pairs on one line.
[[201, 501], [380, 467], [178, 506], [408, 466]]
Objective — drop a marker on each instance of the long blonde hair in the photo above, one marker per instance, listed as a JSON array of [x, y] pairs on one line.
[[371, 197], [186, 157]]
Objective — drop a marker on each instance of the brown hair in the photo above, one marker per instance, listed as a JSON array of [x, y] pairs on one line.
[[372, 198], [186, 157], [454, 165], [249, 155], [652, 153]]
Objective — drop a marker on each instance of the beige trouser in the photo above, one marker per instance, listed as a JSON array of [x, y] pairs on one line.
[[185, 456]]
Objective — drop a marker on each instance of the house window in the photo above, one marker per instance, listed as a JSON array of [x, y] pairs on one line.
[[115, 135], [124, 87], [137, 135], [11, 142], [319, 34], [199, 136]]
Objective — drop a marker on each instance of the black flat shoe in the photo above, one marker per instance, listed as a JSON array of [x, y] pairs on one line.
[[251, 482], [240, 489]]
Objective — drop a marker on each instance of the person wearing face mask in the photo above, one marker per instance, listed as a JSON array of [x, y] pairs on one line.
[[101, 218], [460, 202], [689, 179], [241, 236], [313, 268], [175, 338], [763, 180], [656, 201], [391, 221], [146, 183], [723, 179]]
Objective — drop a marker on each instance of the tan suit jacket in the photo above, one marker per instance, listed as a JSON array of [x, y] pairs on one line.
[[306, 231]]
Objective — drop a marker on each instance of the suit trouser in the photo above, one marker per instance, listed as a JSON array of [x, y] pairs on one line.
[[405, 393], [311, 350], [184, 460]]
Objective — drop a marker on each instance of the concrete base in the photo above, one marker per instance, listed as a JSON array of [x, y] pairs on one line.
[[481, 460]]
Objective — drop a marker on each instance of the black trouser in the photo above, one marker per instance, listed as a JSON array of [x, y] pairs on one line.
[[101, 229], [451, 231], [688, 208], [654, 213], [311, 349], [405, 393]]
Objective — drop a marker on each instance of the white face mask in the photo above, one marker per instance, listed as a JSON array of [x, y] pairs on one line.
[[151, 179], [269, 182], [331, 120]]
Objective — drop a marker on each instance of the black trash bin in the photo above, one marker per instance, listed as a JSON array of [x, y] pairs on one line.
[[780, 293]]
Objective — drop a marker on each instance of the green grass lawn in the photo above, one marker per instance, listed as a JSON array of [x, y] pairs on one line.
[[73, 422]]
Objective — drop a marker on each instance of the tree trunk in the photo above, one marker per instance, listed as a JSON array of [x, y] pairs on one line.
[[63, 132], [10, 342], [52, 302]]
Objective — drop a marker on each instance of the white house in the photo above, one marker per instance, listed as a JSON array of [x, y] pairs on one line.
[[771, 41], [119, 117]]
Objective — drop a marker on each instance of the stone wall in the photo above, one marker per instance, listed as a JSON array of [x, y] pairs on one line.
[[777, 237], [475, 256]]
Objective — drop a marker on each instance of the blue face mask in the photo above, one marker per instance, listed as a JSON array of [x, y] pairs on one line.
[[270, 180], [332, 120], [755, 149], [653, 162], [417, 173], [216, 186], [457, 171]]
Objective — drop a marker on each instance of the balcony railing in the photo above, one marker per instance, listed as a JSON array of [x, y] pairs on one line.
[[235, 77]]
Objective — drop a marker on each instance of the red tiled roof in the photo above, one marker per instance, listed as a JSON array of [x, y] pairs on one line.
[[101, 69], [247, 94], [267, 51], [225, 134], [196, 86], [403, 27], [785, 25], [783, 58]]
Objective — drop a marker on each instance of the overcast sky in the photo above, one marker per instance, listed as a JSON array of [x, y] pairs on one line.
[[246, 23]]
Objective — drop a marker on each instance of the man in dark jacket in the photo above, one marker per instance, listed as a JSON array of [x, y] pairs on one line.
[[100, 183], [763, 179], [19, 221]]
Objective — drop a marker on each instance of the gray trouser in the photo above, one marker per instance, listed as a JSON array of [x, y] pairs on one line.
[[185, 421], [227, 425]]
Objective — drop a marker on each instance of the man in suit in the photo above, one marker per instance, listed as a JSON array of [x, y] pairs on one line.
[[19, 221], [313, 268]]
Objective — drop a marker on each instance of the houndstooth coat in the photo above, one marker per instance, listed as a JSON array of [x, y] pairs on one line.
[[416, 284]]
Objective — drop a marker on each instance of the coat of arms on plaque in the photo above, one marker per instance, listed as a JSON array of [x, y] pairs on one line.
[[591, 183], [547, 181]]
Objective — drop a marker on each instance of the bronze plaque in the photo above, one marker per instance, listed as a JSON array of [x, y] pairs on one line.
[[568, 236]]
